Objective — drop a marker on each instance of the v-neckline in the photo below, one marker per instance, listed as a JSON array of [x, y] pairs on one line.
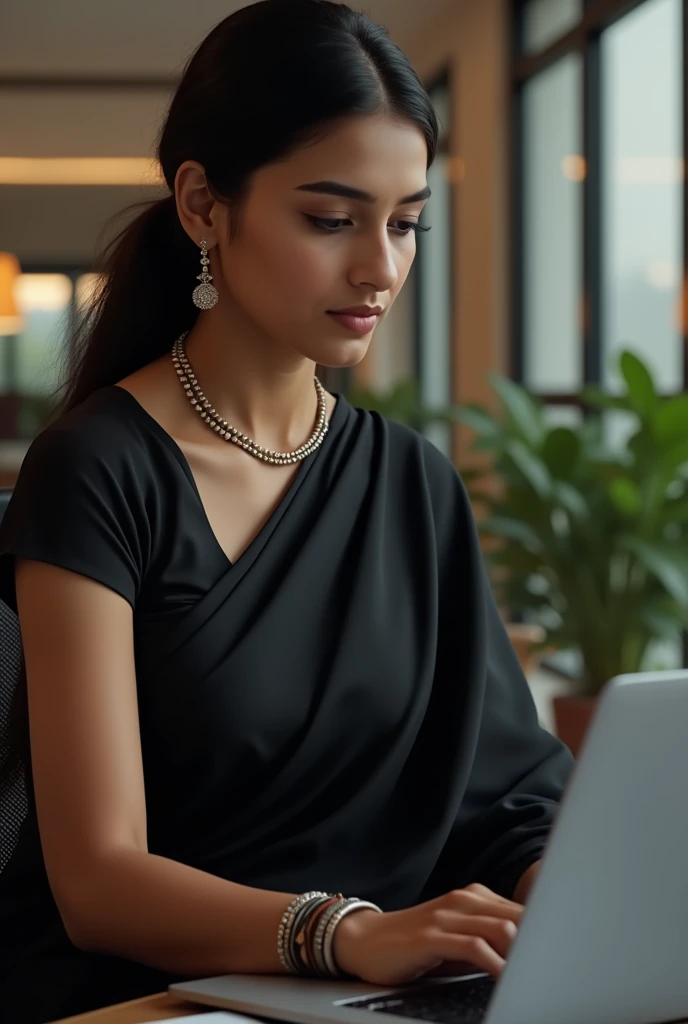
[[181, 458]]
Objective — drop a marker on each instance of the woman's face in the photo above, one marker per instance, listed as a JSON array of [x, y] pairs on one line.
[[329, 228]]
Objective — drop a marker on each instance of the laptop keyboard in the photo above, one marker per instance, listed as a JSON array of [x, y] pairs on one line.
[[454, 1002]]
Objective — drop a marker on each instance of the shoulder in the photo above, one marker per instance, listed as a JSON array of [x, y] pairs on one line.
[[93, 463], [100, 437], [408, 448], [82, 500], [416, 470]]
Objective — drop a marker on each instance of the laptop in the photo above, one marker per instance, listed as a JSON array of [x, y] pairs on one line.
[[604, 937]]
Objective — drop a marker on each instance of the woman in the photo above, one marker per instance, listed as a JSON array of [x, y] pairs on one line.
[[255, 675]]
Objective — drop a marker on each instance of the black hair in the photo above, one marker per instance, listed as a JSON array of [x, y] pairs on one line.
[[267, 79]]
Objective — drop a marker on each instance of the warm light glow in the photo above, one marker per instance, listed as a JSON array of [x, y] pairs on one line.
[[45, 292], [87, 288], [10, 317], [649, 170], [574, 168], [664, 275], [79, 171]]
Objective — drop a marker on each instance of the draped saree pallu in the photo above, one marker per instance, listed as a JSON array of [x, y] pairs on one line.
[[342, 710]]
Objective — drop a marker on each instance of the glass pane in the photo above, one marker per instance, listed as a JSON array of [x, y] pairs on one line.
[[563, 416], [434, 276], [44, 300], [552, 226], [642, 183], [545, 20]]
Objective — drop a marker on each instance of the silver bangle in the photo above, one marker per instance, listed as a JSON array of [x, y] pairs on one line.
[[319, 936], [328, 940], [286, 925], [301, 921]]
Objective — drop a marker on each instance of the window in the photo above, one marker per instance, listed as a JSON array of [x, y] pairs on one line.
[[552, 220], [433, 278], [599, 192], [642, 181], [599, 201], [33, 361]]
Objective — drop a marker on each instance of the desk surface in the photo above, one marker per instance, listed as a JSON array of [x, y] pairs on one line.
[[158, 1007], [140, 1011]]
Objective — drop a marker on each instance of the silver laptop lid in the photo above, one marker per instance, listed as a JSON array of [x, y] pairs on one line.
[[604, 935]]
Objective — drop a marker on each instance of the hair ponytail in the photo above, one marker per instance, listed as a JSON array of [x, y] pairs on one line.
[[144, 302]]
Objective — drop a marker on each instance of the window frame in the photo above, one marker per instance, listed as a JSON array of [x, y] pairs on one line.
[[443, 79], [584, 38]]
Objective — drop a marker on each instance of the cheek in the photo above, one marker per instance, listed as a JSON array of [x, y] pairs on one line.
[[292, 267], [404, 262]]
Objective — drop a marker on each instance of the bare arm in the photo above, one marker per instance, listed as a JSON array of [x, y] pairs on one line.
[[114, 896]]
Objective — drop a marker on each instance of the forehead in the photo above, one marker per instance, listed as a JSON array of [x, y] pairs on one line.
[[385, 157]]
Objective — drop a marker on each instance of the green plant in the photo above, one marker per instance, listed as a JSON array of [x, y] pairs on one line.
[[593, 540]]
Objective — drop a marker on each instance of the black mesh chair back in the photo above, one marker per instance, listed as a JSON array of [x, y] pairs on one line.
[[12, 789]]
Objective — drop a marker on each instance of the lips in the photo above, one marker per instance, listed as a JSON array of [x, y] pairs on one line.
[[362, 311], [355, 323], [356, 319]]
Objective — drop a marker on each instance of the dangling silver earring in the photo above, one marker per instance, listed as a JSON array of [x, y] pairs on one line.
[[205, 294]]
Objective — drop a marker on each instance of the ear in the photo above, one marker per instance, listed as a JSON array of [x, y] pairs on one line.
[[196, 207]]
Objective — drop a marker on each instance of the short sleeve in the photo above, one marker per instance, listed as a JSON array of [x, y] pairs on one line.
[[76, 505]]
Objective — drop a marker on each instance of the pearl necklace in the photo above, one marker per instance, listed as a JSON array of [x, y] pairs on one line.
[[229, 433]]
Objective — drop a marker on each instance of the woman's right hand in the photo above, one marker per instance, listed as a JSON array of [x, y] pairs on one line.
[[471, 926]]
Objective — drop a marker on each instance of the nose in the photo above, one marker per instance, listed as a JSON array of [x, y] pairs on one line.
[[374, 264]]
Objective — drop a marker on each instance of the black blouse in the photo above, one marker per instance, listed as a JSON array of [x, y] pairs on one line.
[[340, 709]]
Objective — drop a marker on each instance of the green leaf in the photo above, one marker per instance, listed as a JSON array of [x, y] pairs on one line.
[[522, 408], [531, 467], [480, 421], [641, 388], [625, 496], [671, 420], [560, 451], [665, 622], [602, 400], [675, 457], [512, 529], [666, 562], [571, 499]]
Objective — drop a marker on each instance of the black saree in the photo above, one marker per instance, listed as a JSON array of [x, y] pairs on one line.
[[341, 708]]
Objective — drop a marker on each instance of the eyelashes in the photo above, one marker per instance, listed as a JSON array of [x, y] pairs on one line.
[[334, 224]]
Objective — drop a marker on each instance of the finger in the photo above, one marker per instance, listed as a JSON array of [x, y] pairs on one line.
[[466, 902], [471, 948], [451, 969], [500, 932], [482, 890]]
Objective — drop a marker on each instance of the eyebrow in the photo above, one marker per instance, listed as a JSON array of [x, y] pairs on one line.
[[335, 188]]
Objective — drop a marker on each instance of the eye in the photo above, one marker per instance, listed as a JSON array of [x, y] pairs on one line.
[[405, 227], [327, 223]]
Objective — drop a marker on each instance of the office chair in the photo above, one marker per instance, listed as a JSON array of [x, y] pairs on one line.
[[13, 789]]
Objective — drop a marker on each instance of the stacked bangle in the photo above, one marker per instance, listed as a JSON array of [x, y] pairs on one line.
[[306, 933]]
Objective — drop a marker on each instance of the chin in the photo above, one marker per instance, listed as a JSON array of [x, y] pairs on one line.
[[340, 355]]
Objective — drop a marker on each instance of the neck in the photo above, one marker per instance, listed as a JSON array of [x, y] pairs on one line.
[[266, 392]]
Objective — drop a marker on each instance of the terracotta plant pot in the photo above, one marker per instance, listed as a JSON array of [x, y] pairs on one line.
[[572, 718]]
